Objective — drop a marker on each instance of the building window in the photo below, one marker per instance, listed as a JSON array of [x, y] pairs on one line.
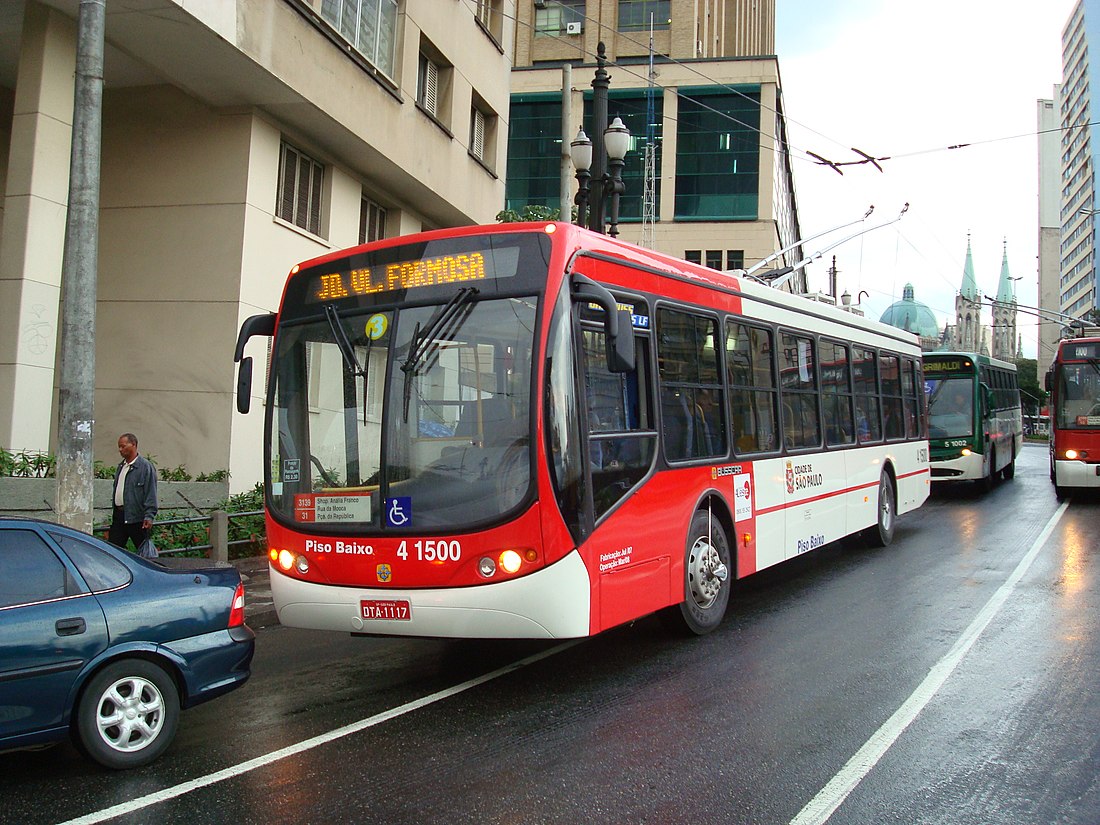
[[534, 152], [369, 25], [718, 155], [714, 258], [489, 14], [427, 85], [372, 221], [638, 15], [559, 17], [694, 256], [735, 259], [483, 129], [642, 113], [300, 186]]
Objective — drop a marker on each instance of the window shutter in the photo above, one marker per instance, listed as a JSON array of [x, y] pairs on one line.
[[477, 134], [431, 87]]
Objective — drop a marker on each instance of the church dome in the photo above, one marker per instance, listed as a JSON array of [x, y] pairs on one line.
[[912, 316]]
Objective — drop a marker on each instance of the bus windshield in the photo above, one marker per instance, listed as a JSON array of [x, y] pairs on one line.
[[950, 407], [1078, 403], [406, 417]]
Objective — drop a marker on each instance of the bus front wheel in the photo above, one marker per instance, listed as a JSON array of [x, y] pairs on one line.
[[707, 576], [986, 482], [882, 533]]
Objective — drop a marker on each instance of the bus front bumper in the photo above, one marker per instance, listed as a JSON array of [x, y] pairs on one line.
[[1077, 474], [552, 603], [960, 468]]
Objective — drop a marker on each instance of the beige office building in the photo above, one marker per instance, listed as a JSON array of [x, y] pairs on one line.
[[722, 190], [238, 138]]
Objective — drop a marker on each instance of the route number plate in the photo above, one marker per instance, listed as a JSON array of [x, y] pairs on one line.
[[386, 609]]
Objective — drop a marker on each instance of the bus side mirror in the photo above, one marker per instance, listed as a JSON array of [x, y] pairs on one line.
[[1047, 382], [244, 386], [254, 325], [617, 323]]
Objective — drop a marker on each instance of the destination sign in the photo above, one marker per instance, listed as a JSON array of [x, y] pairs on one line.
[[1085, 351], [441, 270], [948, 365]]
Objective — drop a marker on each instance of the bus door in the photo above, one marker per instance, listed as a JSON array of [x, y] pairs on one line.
[[621, 445]]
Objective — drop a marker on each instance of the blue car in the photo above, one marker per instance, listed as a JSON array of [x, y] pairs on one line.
[[101, 645]]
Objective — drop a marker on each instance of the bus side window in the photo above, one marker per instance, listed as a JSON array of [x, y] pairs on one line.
[[836, 393], [798, 380], [753, 396], [868, 423], [692, 400]]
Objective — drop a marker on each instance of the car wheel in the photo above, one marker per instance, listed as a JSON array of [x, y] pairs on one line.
[[128, 714], [706, 579], [1009, 471], [882, 533]]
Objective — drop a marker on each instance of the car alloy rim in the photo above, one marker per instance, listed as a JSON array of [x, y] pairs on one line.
[[130, 714], [707, 572]]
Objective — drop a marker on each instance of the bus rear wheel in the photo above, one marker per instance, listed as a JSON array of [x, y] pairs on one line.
[[1009, 470], [882, 533], [706, 579]]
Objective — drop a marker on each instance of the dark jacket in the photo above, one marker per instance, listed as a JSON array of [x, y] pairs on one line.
[[139, 496]]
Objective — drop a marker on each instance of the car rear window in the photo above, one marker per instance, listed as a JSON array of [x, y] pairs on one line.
[[100, 570], [32, 572]]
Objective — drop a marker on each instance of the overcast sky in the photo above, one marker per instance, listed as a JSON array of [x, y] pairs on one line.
[[907, 80]]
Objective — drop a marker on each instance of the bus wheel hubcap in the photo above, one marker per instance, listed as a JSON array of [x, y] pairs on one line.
[[706, 572]]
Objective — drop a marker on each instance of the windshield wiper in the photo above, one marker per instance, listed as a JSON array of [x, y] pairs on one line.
[[446, 321], [348, 351]]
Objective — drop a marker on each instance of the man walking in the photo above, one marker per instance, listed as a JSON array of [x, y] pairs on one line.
[[135, 495]]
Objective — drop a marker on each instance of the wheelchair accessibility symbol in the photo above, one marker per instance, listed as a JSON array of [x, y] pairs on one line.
[[399, 511]]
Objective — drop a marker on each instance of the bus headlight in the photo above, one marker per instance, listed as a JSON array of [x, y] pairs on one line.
[[965, 451], [287, 560], [511, 561], [1071, 454], [486, 567]]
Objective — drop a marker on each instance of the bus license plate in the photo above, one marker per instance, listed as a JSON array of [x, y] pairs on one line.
[[386, 609]]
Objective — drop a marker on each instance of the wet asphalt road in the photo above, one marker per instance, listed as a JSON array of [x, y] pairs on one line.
[[962, 664]]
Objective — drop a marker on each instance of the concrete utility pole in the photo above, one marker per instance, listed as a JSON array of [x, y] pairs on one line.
[[75, 474]]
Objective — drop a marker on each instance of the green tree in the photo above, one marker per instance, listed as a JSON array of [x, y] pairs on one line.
[[530, 212], [1027, 374]]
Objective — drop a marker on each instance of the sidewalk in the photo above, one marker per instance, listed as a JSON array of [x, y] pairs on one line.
[[259, 610]]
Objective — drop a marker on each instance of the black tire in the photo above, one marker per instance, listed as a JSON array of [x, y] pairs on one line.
[[128, 714], [882, 533], [707, 577], [1009, 470], [986, 482]]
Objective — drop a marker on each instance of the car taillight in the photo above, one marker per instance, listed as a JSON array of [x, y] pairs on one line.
[[236, 615]]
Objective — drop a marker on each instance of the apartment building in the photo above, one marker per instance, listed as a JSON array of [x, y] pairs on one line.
[[722, 190], [1080, 212], [238, 138]]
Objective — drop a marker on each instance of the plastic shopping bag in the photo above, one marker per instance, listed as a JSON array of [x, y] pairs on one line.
[[148, 550]]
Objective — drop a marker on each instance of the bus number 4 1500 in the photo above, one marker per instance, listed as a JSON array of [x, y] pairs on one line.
[[432, 550]]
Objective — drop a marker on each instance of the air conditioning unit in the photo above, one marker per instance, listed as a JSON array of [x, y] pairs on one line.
[[573, 28]]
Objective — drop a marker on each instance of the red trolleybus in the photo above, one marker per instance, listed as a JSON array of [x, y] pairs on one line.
[[1074, 385], [531, 430]]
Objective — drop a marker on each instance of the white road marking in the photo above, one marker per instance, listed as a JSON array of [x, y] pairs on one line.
[[821, 807], [309, 744]]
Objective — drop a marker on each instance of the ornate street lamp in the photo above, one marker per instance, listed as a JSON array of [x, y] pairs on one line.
[[598, 186]]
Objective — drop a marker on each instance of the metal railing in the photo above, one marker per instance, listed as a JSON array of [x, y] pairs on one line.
[[218, 547]]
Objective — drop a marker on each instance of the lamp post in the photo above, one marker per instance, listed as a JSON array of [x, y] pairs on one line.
[[599, 162]]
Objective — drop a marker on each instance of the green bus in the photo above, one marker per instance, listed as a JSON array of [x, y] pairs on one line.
[[975, 425]]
